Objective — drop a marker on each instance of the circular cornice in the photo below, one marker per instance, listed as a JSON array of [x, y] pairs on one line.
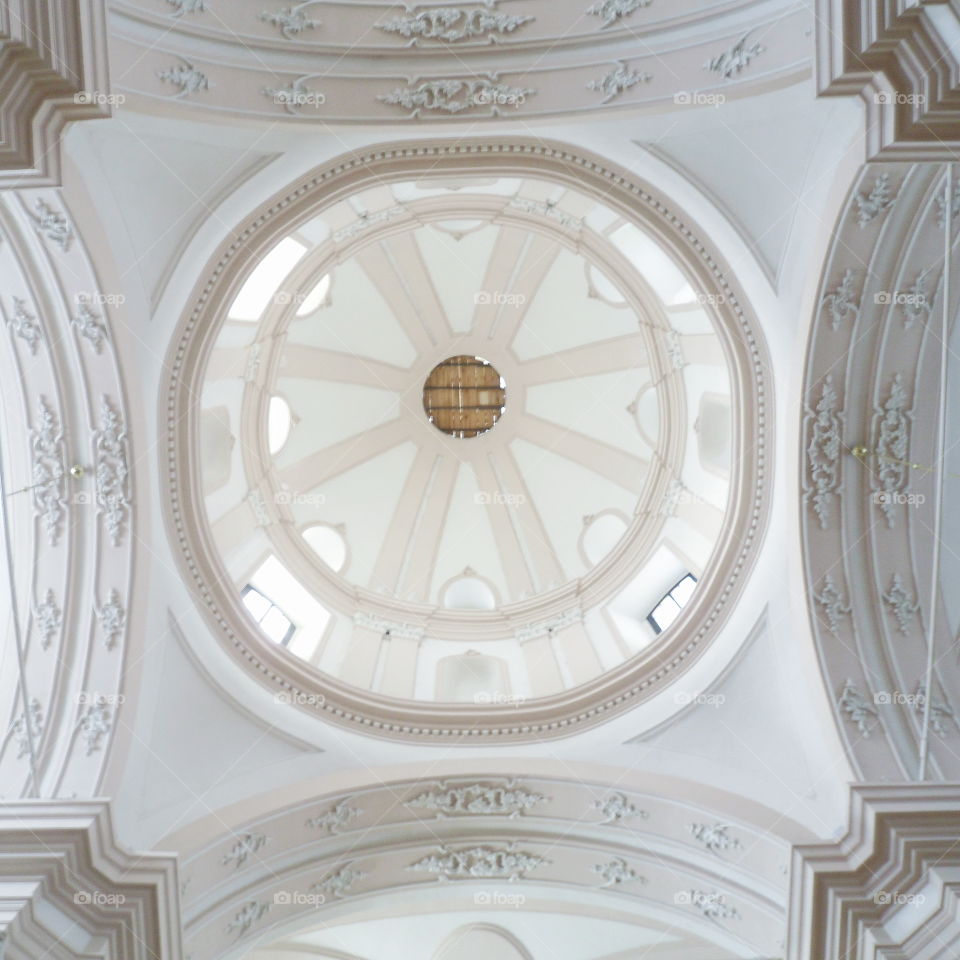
[[607, 695]]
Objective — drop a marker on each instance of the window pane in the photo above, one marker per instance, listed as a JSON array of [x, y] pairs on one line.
[[256, 603], [684, 590], [665, 612], [275, 625]]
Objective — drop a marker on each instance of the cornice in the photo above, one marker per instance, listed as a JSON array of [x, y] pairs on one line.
[[901, 60], [66, 855], [53, 69], [556, 716], [898, 857]]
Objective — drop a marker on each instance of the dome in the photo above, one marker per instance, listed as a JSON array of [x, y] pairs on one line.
[[485, 416]]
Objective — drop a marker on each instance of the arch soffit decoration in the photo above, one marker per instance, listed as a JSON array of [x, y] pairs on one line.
[[252, 883], [555, 716], [542, 58], [872, 372], [64, 407]]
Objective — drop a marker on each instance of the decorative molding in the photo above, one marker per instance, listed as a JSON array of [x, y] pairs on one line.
[[618, 80], [547, 628], [548, 209], [89, 324], [902, 604], [338, 883], [52, 224], [187, 6], [859, 711], [713, 905], [294, 96], [49, 471], [613, 10], [900, 60], [112, 472], [617, 871], [941, 201], [112, 617], [615, 807], [915, 303], [246, 917], [370, 621], [366, 220], [95, 722], [879, 199], [49, 618], [258, 505], [898, 858], [25, 325], [822, 483], [27, 727], [672, 498], [674, 350], [244, 847], [735, 58], [339, 816], [940, 713], [892, 446], [187, 77], [291, 21], [503, 862], [840, 302], [456, 95], [452, 24], [834, 603], [714, 837], [477, 798], [65, 862]]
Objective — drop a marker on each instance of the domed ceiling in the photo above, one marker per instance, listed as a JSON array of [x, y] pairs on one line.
[[321, 370], [466, 440]]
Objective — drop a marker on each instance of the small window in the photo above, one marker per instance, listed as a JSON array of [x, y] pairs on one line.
[[668, 609], [272, 620]]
